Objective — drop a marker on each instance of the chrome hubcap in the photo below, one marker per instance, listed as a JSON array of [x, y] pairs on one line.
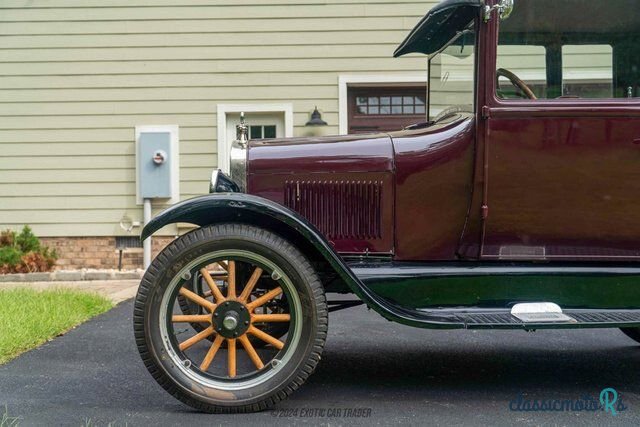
[[231, 321]]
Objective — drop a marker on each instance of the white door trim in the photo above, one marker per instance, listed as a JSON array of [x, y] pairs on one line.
[[345, 79], [224, 109]]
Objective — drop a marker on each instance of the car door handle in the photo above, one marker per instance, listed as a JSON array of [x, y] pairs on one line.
[[636, 141]]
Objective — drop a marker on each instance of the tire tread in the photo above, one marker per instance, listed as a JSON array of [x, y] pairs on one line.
[[237, 230]]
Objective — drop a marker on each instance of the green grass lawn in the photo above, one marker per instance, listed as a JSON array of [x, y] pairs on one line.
[[29, 318]]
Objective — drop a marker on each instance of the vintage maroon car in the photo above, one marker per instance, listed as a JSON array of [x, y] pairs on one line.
[[514, 206]]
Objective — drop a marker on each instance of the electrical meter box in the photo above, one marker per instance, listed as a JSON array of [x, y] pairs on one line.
[[156, 163]]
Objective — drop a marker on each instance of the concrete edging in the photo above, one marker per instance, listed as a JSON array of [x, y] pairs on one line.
[[73, 276], [116, 290]]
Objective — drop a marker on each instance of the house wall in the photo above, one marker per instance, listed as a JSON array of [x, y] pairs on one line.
[[77, 77]]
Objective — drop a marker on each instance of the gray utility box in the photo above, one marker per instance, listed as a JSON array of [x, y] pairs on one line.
[[157, 163]]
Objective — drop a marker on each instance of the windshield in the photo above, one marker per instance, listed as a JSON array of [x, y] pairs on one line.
[[452, 78]]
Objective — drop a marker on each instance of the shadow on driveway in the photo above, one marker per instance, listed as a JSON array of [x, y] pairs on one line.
[[403, 375]]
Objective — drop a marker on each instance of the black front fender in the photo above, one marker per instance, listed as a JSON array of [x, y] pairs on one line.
[[223, 207], [252, 210]]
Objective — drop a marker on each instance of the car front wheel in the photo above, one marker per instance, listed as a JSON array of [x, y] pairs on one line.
[[240, 281]]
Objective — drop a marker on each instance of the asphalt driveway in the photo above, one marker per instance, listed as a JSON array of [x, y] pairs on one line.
[[372, 372]]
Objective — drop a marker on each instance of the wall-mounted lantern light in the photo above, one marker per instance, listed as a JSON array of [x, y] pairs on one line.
[[316, 119]]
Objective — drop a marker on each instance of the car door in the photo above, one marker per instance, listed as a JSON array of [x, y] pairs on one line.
[[564, 169]]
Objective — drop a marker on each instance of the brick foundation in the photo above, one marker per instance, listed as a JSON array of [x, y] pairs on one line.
[[98, 252]]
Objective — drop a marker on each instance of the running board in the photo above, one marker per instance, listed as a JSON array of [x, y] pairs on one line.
[[482, 295], [504, 319]]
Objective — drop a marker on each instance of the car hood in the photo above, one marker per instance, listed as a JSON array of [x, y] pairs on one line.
[[330, 154]]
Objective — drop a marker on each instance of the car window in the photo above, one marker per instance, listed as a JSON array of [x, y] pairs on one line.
[[569, 49], [587, 71], [529, 63], [452, 75]]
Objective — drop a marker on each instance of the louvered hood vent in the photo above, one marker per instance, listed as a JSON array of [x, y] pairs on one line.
[[339, 209]]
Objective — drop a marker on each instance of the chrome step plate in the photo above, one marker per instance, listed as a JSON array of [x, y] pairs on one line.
[[540, 312], [544, 317]]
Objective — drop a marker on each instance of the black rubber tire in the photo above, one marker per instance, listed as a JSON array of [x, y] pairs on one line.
[[204, 240], [633, 333]]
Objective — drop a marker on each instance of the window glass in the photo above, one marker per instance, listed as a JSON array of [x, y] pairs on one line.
[[529, 63], [452, 78], [382, 108], [260, 132], [550, 49], [587, 71], [255, 132], [269, 131], [391, 105]]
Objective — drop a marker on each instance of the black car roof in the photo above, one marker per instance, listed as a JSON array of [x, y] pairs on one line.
[[441, 24], [537, 25]]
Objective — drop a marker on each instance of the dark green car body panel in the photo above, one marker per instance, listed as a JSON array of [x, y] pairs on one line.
[[503, 285]]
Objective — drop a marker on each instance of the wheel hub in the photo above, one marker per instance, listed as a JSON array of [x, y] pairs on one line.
[[237, 320], [231, 319]]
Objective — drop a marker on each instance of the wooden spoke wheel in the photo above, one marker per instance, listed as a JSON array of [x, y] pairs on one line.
[[232, 317], [216, 275], [207, 310]]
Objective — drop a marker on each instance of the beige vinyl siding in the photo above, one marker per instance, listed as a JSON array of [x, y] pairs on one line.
[[77, 77], [590, 62]]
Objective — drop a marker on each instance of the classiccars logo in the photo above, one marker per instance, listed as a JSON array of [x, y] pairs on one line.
[[608, 401]]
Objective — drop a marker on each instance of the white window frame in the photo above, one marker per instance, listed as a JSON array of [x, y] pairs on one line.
[[174, 131], [344, 80], [224, 148]]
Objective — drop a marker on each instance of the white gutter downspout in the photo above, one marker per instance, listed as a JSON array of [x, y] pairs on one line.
[[146, 245]]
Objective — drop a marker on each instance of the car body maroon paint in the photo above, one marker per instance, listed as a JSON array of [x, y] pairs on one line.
[[331, 178], [560, 176], [518, 180], [434, 176], [543, 182], [416, 168], [581, 179], [504, 214]]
